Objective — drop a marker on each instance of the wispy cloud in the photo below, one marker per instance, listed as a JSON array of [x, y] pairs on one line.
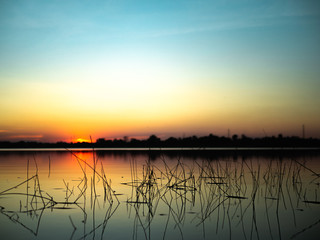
[[229, 18], [6, 135], [29, 136], [217, 26]]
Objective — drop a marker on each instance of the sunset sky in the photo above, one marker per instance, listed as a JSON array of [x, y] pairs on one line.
[[74, 69]]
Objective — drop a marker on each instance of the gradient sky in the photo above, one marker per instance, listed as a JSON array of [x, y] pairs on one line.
[[71, 69]]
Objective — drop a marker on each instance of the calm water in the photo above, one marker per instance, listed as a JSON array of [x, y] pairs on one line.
[[137, 195]]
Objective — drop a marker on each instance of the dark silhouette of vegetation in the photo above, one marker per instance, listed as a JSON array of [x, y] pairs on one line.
[[210, 141]]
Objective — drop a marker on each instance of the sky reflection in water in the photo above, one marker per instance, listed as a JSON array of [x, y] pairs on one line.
[[133, 196]]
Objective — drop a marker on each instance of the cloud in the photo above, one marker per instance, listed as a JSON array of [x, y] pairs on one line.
[[6, 135], [227, 25], [30, 136]]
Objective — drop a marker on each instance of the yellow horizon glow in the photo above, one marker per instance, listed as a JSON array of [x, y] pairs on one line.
[[133, 101], [81, 140], [110, 70]]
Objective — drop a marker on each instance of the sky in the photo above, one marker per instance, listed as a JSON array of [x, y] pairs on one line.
[[108, 69]]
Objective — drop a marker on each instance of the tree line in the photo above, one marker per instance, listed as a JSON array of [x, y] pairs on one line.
[[186, 142]]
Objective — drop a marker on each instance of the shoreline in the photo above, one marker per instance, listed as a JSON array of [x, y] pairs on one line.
[[155, 149]]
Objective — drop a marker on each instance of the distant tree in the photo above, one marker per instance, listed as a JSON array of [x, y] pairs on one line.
[[135, 142], [153, 141], [153, 138], [171, 142], [101, 140], [194, 138], [244, 136], [235, 137]]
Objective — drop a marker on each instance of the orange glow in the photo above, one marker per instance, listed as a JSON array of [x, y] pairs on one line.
[[80, 140]]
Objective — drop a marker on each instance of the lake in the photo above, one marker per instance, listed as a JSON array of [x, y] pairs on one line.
[[231, 194]]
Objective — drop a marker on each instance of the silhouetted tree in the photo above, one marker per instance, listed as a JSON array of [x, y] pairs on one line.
[[153, 141], [100, 141], [235, 137]]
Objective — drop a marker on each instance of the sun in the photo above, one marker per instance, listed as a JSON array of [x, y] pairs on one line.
[[80, 140]]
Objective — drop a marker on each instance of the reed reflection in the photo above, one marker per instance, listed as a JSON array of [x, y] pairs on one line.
[[237, 197]]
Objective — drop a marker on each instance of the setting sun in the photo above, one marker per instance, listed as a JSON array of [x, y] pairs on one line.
[[80, 140], [163, 119], [173, 68]]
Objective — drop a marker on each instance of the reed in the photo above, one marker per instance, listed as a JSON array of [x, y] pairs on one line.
[[224, 192]]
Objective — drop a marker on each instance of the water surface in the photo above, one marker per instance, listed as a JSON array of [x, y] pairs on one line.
[[159, 195]]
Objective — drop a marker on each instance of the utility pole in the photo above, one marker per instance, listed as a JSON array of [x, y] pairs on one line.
[[303, 131]]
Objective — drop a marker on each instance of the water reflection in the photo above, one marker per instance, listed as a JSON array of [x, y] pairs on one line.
[[90, 195]]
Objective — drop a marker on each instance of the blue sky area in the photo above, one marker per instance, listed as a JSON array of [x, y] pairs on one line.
[[113, 68]]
